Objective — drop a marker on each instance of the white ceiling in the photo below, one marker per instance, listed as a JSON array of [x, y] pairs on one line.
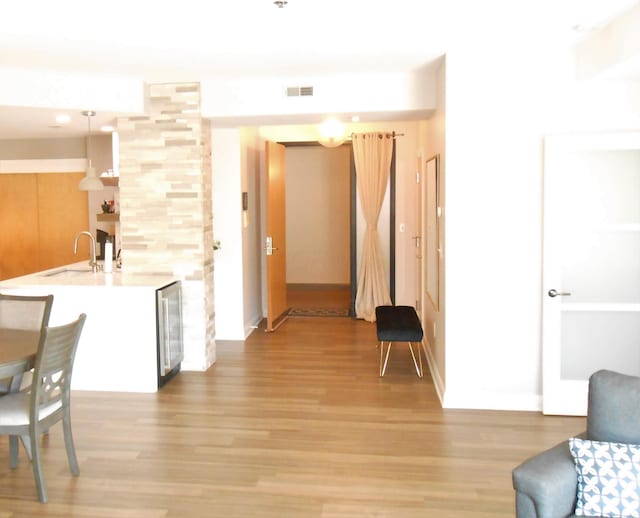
[[190, 40]]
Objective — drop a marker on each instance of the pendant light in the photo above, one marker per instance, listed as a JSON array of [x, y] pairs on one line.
[[90, 182]]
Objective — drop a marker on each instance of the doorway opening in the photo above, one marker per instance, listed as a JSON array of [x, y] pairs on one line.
[[318, 229], [322, 229]]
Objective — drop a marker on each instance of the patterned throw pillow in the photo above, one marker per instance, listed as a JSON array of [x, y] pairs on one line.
[[608, 478]]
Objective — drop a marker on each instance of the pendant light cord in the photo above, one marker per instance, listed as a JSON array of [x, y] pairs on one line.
[[89, 114]]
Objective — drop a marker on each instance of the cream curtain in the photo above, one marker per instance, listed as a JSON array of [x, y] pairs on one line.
[[372, 153]]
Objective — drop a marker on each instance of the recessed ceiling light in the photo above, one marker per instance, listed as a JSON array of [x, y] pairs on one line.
[[63, 118], [582, 28], [107, 129], [355, 118]]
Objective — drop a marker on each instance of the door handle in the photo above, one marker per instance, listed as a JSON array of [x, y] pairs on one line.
[[268, 246], [554, 293]]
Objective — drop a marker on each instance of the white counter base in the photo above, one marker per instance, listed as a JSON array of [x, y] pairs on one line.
[[117, 349]]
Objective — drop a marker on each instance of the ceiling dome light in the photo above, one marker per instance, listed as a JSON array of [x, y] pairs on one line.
[[63, 118], [331, 133]]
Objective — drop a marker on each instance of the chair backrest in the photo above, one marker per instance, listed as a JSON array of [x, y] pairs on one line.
[[25, 311], [614, 403], [54, 364]]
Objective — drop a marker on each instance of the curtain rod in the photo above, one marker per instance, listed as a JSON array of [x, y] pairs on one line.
[[393, 134]]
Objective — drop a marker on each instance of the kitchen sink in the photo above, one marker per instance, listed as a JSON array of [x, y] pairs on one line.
[[66, 272]]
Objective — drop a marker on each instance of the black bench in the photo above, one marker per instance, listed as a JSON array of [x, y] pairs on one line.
[[398, 324]]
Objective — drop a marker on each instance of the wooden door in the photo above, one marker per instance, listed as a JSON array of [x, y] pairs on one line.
[[275, 245], [19, 247], [63, 211]]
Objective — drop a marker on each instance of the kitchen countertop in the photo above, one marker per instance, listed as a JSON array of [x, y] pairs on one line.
[[80, 274]]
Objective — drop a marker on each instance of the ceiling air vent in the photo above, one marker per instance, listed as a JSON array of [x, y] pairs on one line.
[[299, 91]]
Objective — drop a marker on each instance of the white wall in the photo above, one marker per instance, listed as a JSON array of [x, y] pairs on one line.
[[259, 102], [493, 228], [237, 265], [251, 228], [433, 142], [227, 228], [317, 208]]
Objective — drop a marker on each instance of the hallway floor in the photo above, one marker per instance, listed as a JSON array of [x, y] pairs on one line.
[[318, 300]]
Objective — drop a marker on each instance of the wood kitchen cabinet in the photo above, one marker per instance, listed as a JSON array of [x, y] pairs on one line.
[[19, 249], [40, 215]]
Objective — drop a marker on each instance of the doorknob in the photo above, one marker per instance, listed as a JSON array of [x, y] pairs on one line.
[[554, 293]]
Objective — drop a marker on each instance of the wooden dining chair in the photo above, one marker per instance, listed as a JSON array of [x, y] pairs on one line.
[[28, 312], [28, 414]]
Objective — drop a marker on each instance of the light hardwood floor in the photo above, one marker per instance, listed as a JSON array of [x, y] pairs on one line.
[[296, 423], [319, 297]]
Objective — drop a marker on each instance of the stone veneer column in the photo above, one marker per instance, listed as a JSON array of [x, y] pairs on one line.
[[165, 205]]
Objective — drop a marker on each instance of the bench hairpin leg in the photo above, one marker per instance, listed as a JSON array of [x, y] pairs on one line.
[[383, 368], [418, 369]]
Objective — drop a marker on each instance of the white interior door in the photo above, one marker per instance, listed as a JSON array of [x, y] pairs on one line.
[[591, 279]]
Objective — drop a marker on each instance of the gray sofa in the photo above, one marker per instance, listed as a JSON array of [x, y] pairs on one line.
[[546, 484]]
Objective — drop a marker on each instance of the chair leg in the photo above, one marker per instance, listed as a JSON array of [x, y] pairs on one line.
[[415, 363], [383, 368], [68, 442], [36, 463], [14, 448], [26, 442], [16, 383]]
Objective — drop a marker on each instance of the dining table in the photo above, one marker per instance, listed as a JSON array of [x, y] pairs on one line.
[[18, 349]]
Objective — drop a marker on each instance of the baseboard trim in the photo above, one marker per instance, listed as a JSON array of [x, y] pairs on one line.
[[252, 326], [488, 400], [318, 287], [478, 399], [438, 383]]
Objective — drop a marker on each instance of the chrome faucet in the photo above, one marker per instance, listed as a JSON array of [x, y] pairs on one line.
[[92, 250]]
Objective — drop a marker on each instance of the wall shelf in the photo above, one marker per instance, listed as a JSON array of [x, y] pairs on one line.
[[110, 181], [111, 216]]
